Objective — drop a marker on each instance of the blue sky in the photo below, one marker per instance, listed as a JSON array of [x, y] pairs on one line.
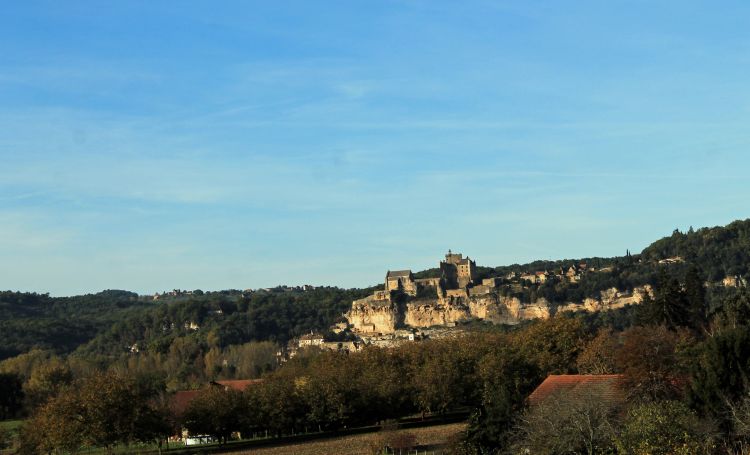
[[157, 145]]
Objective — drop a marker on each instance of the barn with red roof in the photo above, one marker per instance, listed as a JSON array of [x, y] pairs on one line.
[[604, 387]]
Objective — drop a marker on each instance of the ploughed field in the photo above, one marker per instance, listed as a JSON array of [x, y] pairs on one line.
[[364, 444]]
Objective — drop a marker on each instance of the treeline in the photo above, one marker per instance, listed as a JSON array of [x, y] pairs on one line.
[[192, 340], [222, 319], [106, 324], [41, 374], [38, 321], [315, 391], [718, 251], [684, 386], [684, 369]]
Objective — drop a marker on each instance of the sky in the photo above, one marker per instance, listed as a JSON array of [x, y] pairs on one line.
[[149, 145]]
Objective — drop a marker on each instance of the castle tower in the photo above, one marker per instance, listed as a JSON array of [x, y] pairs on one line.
[[458, 272]]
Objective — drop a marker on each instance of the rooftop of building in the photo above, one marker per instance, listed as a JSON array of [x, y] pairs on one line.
[[604, 387], [398, 273]]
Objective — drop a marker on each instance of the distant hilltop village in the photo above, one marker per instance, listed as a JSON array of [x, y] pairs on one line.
[[457, 295]]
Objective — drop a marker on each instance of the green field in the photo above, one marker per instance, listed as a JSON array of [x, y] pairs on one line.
[[11, 425]]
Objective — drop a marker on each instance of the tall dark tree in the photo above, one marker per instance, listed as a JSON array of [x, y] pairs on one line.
[[11, 395], [695, 298], [507, 379], [669, 307], [721, 375], [733, 313]]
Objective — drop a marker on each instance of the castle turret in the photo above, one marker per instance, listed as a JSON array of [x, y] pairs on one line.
[[458, 272]]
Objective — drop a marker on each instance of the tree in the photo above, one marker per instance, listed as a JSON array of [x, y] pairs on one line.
[[507, 378], [324, 401], [733, 313], [552, 344], [695, 299], [101, 411], [650, 360], [664, 428], [569, 423], [11, 395], [721, 374], [439, 378], [216, 411], [598, 357], [275, 405], [669, 306], [46, 380], [56, 426]]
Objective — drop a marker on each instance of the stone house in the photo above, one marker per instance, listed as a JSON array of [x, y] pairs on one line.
[[400, 281], [573, 274], [541, 277], [311, 339]]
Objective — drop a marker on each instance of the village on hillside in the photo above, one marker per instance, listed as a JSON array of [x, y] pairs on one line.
[[374, 320]]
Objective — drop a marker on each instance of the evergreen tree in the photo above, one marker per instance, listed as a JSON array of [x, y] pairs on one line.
[[11, 395], [669, 307], [721, 375], [695, 298]]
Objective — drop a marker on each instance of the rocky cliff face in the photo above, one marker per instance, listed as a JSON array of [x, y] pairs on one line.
[[369, 315], [376, 316], [506, 310], [610, 299], [372, 316], [427, 313]]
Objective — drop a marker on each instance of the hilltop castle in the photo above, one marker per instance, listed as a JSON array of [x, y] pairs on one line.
[[457, 295], [384, 310], [456, 272]]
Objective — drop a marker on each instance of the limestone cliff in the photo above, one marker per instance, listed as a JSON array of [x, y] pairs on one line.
[[375, 315], [609, 299], [427, 313], [369, 315]]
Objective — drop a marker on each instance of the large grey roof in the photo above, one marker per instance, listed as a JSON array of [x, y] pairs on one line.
[[397, 273]]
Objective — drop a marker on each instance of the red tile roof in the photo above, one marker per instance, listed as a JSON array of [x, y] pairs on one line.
[[604, 386]]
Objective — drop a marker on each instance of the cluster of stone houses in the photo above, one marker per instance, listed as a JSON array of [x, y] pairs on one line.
[[572, 274], [390, 340], [172, 293], [459, 274]]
